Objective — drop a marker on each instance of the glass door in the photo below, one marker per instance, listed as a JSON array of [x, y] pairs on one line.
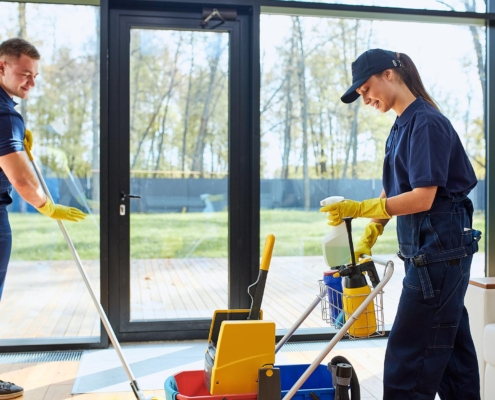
[[177, 133], [178, 162]]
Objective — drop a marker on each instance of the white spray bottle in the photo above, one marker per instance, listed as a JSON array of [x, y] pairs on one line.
[[335, 245]]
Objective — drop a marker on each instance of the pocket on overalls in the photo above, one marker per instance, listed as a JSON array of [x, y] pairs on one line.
[[442, 336], [435, 232], [468, 239], [408, 234], [450, 304]]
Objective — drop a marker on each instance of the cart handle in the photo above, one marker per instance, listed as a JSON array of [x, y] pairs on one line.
[[319, 297], [389, 270]]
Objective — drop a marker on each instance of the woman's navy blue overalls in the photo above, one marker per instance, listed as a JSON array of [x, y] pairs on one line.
[[430, 348]]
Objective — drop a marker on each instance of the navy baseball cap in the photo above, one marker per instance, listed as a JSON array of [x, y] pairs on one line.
[[369, 63]]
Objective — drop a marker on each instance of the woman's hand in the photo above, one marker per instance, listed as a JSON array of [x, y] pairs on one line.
[[371, 208], [368, 240]]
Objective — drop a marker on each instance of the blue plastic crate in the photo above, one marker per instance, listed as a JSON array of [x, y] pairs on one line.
[[189, 385], [319, 382]]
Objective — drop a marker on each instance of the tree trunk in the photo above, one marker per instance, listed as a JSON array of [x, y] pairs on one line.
[[287, 140], [470, 6], [136, 41], [355, 142], [352, 143], [332, 146], [165, 112], [316, 146], [23, 34], [147, 130], [479, 61], [188, 99], [197, 164], [304, 114]]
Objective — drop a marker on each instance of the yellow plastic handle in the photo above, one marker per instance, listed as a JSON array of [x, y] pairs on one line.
[[267, 252], [28, 151]]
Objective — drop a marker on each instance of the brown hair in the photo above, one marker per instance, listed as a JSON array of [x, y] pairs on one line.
[[410, 76], [16, 47]]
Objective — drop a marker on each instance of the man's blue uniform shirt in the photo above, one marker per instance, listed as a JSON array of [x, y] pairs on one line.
[[11, 126], [422, 150], [11, 138]]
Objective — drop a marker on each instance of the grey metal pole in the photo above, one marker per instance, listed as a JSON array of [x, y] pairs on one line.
[[299, 321], [103, 316]]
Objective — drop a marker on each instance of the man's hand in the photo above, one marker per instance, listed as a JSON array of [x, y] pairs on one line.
[[60, 212], [371, 208], [367, 241]]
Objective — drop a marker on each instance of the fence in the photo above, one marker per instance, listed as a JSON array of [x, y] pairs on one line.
[[193, 195]]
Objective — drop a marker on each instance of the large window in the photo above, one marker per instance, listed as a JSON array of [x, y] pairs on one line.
[[45, 299], [314, 146]]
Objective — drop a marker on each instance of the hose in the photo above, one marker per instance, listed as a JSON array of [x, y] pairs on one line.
[[341, 391]]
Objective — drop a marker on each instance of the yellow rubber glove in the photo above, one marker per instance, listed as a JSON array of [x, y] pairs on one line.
[[367, 241], [28, 140], [60, 212], [371, 208]]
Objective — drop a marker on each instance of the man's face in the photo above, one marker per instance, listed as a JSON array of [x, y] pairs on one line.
[[17, 75]]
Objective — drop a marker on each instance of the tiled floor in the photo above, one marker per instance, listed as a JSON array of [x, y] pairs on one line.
[[55, 380]]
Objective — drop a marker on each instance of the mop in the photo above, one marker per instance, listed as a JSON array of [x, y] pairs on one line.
[[134, 385]]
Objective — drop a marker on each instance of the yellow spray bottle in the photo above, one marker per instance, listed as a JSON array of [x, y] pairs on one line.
[[356, 289]]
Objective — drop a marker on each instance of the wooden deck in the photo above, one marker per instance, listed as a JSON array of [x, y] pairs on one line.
[[49, 299]]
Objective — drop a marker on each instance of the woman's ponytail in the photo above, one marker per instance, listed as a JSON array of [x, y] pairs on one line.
[[410, 76]]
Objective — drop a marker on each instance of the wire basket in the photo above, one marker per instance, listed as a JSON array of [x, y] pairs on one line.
[[369, 324]]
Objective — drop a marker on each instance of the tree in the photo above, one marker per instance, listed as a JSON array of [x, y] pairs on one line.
[[217, 49], [22, 33]]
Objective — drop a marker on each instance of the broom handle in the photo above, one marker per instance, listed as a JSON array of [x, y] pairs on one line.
[[85, 277]]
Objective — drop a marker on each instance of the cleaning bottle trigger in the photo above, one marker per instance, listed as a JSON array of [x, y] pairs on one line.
[[331, 200], [368, 268]]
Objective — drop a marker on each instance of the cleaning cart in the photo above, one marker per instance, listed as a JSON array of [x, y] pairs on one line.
[[301, 382]]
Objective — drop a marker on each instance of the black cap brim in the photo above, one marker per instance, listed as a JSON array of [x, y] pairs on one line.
[[351, 95]]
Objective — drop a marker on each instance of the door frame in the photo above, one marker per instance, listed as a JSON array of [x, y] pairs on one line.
[[243, 193]]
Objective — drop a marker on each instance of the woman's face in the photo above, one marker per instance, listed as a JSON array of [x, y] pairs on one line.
[[378, 91]]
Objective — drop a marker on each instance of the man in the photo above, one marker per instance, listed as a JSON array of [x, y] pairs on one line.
[[18, 71]]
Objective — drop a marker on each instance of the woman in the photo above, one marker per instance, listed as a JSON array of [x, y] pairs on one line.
[[426, 178]]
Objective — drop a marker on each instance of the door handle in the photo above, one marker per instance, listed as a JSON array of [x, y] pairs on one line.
[[124, 196]]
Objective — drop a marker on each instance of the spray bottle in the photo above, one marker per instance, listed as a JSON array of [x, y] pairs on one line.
[[356, 289], [335, 245]]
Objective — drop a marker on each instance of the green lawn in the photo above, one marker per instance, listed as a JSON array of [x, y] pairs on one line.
[[186, 235]]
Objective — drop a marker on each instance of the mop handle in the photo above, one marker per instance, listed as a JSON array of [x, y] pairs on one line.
[[85, 277]]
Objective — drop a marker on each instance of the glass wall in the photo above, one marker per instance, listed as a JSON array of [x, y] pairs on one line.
[[441, 5], [45, 299], [314, 146]]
